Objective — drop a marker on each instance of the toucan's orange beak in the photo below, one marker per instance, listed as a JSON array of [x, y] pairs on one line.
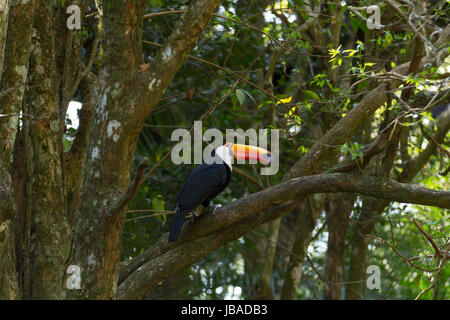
[[242, 151]]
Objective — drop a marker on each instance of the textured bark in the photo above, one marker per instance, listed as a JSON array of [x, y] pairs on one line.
[[8, 278], [4, 12], [110, 153], [8, 275], [13, 74], [48, 225]]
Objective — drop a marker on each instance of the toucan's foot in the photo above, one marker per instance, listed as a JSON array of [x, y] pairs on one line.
[[194, 213]]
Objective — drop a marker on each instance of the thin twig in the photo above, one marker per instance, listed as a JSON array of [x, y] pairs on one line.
[[160, 213], [249, 178], [233, 73], [204, 117], [416, 32], [436, 248], [151, 15], [438, 273], [392, 231], [436, 277], [405, 259], [437, 144]]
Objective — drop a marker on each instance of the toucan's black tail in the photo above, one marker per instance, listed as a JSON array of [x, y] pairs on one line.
[[176, 225]]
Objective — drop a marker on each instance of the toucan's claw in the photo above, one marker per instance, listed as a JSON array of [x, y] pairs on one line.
[[190, 216], [215, 208]]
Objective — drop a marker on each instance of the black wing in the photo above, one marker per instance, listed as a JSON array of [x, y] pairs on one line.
[[202, 185], [219, 189]]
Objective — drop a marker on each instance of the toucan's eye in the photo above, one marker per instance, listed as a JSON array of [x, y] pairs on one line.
[[267, 155]]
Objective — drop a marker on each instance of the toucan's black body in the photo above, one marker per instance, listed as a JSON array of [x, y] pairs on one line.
[[202, 185]]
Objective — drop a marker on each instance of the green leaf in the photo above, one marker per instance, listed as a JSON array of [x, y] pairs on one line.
[[158, 202], [311, 95], [351, 52], [249, 95], [285, 100], [240, 96], [387, 39], [229, 23], [354, 23]]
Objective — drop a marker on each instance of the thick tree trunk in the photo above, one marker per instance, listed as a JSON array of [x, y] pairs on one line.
[[8, 277], [48, 227], [126, 98], [4, 13], [110, 155], [13, 74]]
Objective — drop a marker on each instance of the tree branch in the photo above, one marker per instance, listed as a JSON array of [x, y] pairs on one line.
[[151, 84], [245, 214], [133, 188]]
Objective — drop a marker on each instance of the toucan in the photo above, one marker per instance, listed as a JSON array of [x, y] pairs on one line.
[[210, 178]]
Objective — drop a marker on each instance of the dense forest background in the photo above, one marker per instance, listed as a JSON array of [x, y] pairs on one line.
[[363, 116]]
